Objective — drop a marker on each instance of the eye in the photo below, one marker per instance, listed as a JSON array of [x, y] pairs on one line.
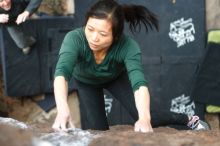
[[89, 28], [103, 34]]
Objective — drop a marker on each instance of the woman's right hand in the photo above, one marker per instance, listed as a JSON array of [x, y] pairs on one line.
[[4, 18], [63, 120]]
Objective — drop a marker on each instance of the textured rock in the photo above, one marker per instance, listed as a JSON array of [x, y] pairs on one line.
[[13, 123], [15, 133], [74, 137], [212, 14], [163, 136]]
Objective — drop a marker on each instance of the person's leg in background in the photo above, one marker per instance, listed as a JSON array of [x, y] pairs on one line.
[[92, 107], [22, 40], [200, 110], [121, 89]]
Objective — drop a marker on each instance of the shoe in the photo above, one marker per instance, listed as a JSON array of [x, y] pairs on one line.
[[196, 124], [26, 50], [31, 42]]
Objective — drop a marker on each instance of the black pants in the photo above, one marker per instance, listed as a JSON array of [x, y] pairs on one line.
[[92, 105]]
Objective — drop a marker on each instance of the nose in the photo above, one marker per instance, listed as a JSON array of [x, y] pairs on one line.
[[95, 36]]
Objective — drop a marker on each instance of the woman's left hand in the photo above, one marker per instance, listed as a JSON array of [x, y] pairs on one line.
[[22, 17], [143, 126]]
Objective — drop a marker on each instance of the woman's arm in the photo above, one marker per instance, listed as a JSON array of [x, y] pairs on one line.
[[63, 73], [29, 10], [63, 118], [33, 6], [142, 101]]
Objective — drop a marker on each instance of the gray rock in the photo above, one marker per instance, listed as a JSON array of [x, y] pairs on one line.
[[13, 122], [73, 137]]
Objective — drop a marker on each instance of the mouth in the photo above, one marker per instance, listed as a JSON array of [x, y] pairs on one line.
[[93, 45], [6, 7]]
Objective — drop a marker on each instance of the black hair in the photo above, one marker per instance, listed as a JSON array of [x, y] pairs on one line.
[[118, 14]]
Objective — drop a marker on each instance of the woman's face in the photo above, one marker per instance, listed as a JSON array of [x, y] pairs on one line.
[[5, 4], [99, 33]]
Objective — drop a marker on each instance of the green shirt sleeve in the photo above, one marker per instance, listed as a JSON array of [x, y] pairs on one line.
[[134, 65], [68, 55]]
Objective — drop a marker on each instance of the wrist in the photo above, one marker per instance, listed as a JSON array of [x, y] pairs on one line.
[[62, 107], [26, 13], [145, 116]]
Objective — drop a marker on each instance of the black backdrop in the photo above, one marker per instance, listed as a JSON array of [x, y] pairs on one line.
[[169, 68], [26, 75]]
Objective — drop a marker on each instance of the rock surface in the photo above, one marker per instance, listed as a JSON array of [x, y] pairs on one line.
[[15, 133]]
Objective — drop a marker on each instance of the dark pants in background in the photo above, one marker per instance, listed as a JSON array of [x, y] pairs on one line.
[[21, 39]]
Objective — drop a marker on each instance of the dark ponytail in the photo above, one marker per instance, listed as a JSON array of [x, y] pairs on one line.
[[133, 14]]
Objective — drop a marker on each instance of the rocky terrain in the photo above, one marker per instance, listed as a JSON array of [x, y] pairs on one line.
[[17, 133]]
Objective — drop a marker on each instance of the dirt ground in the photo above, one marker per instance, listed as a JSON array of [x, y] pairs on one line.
[[29, 112]]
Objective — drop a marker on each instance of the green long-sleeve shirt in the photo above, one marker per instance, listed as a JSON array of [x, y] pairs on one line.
[[77, 60]]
